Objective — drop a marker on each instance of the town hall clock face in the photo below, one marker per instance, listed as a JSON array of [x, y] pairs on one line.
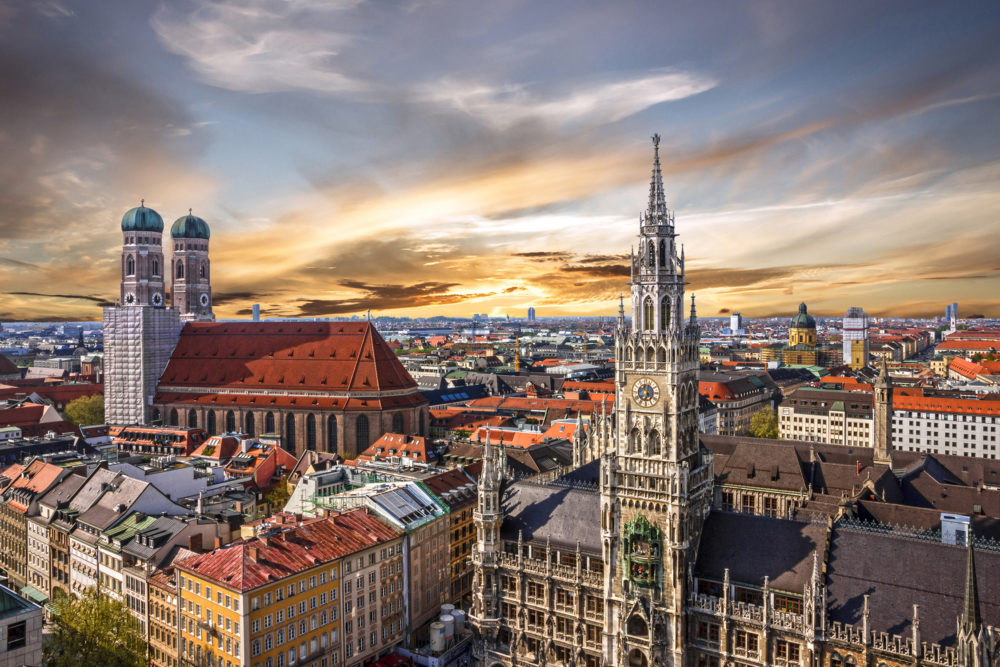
[[645, 392], [129, 298]]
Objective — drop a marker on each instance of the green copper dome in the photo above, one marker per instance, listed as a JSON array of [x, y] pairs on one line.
[[190, 227], [802, 319], [142, 219]]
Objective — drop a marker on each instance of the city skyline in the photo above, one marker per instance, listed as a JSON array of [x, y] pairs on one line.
[[430, 159]]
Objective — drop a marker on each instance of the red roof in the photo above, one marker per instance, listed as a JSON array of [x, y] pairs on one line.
[[968, 406], [334, 357], [960, 345], [57, 393], [37, 478], [396, 444], [8, 367], [968, 369], [511, 438], [27, 418], [289, 551], [715, 391]]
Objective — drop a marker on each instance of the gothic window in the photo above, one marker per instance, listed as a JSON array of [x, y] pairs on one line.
[[249, 425], [173, 417], [663, 252], [331, 433], [423, 424], [665, 314], [647, 314], [156, 267], [210, 427], [397, 423], [230, 422], [269, 423], [652, 254], [180, 269], [361, 433], [156, 414], [192, 419], [311, 432], [654, 442], [637, 659], [836, 660], [130, 266], [634, 441], [289, 440], [661, 355], [202, 271]]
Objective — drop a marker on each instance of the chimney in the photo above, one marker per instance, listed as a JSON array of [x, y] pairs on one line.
[[253, 553], [194, 542], [217, 544]]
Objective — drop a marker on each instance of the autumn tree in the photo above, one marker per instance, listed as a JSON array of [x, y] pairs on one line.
[[86, 410], [764, 424]]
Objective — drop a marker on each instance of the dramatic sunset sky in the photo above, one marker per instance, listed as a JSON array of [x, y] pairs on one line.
[[429, 157]]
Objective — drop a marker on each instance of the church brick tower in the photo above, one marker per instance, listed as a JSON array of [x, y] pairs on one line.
[[191, 287], [140, 332], [656, 479]]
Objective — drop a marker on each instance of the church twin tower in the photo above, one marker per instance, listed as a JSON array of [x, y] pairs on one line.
[[141, 330]]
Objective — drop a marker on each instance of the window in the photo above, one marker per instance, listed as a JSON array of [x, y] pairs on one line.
[[17, 636], [361, 432]]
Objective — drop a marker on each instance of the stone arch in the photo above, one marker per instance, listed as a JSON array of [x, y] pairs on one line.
[[654, 443], [362, 433], [634, 441], [637, 659], [650, 354], [289, 440], [249, 425], [397, 423], [230, 421], [311, 431], [192, 418], [661, 355], [174, 418], [210, 425], [331, 433]]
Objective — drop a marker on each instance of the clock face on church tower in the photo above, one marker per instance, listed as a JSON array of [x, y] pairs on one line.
[[203, 300], [646, 392], [129, 298]]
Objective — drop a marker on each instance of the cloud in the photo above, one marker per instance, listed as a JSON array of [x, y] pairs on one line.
[[100, 301], [591, 103], [262, 46]]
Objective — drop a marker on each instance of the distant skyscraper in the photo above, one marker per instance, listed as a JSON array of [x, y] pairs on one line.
[[256, 312], [531, 314], [855, 336], [735, 322]]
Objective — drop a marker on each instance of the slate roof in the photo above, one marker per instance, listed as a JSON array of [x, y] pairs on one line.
[[753, 547], [123, 494], [335, 357], [151, 537], [896, 572], [558, 513], [249, 565]]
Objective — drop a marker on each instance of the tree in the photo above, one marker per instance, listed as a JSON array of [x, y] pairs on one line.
[[93, 630], [278, 496], [764, 424], [86, 410]]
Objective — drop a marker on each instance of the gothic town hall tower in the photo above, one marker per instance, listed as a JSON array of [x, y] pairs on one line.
[[656, 479]]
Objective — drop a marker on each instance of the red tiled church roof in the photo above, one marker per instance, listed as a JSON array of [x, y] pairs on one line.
[[334, 357]]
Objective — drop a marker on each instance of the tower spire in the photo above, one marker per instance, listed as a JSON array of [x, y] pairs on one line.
[[656, 212], [694, 314], [971, 618]]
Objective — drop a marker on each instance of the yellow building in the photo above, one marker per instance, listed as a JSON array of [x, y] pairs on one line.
[[802, 330], [275, 600], [802, 348]]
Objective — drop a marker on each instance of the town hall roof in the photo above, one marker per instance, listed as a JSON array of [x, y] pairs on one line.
[[348, 362]]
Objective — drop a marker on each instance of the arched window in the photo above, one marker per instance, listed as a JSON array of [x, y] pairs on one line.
[[248, 425], [665, 314], [637, 626], [397, 422], [202, 270], [269, 422], [634, 441], [654, 443], [156, 267], [836, 660], [174, 419], [211, 423], [130, 266], [331, 433], [230, 422], [663, 252], [192, 419], [180, 269], [637, 659], [423, 424], [311, 432], [652, 254], [289, 441], [361, 433], [647, 314]]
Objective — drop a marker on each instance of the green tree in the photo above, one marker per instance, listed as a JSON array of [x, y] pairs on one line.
[[764, 424], [278, 496], [86, 410], [93, 630]]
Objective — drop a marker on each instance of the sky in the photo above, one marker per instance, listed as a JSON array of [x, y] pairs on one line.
[[431, 157]]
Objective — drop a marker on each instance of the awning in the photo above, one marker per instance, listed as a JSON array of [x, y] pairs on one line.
[[34, 595]]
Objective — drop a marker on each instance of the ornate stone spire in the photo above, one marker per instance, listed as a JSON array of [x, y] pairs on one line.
[[694, 314], [656, 211], [972, 621]]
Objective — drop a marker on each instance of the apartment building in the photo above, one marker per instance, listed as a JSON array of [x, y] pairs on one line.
[[945, 425], [737, 398], [829, 416], [23, 487], [276, 600]]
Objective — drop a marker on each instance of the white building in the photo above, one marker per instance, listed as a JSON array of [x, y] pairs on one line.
[[855, 328], [964, 427]]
